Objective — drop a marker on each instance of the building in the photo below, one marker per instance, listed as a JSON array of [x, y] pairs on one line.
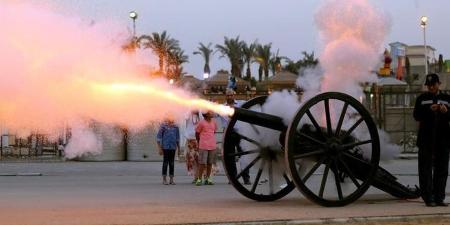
[[398, 55], [415, 54]]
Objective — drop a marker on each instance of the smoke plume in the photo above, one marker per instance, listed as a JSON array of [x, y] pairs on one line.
[[57, 70]]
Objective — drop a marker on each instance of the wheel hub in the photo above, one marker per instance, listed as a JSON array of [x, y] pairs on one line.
[[269, 153], [333, 147]]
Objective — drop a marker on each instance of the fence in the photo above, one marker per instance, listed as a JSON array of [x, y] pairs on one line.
[[392, 110], [12, 146]]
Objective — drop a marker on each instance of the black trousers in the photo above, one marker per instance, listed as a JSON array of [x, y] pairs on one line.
[[433, 173], [168, 161]]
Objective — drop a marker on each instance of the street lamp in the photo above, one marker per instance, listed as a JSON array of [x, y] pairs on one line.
[[423, 24], [133, 15]]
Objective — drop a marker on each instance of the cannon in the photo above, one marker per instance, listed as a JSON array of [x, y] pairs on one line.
[[330, 152]]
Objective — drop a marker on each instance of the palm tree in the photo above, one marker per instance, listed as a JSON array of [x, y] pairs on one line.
[[130, 45], [160, 44], [291, 66], [232, 49], [249, 53], [206, 52], [309, 60], [262, 57], [175, 58]]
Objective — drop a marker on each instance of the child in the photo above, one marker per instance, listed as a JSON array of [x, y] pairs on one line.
[[191, 143], [205, 132], [168, 139]]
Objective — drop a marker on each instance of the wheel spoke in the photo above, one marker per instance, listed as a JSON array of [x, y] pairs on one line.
[[244, 153], [288, 181], [248, 139], [349, 172], [356, 158], [337, 181], [349, 131], [311, 139], [248, 167], [255, 183], [324, 179], [328, 117], [315, 167], [270, 177], [313, 121], [255, 129], [308, 154], [341, 119], [350, 146]]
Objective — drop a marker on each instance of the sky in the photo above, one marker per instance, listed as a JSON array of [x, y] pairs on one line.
[[287, 24]]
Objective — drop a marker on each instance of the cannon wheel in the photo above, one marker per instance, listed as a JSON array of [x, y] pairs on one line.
[[267, 160], [330, 148]]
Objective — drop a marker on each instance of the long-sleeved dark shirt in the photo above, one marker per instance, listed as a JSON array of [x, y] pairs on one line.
[[434, 129]]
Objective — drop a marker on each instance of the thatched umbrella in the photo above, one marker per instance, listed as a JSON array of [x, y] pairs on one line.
[[191, 83], [282, 80], [220, 81]]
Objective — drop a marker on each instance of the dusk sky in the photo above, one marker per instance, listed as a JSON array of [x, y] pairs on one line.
[[288, 24]]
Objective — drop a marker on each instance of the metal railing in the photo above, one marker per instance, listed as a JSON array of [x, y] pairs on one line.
[[392, 110]]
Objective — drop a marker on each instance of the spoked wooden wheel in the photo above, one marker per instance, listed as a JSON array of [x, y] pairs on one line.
[[332, 149], [247, 159]]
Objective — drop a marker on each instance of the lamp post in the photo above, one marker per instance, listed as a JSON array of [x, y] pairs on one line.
[[423, 24], [133, 15]]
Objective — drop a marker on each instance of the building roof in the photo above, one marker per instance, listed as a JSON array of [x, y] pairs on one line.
[[283, 77], [190, 81], [397, 43], [421, 46], [222, 79], [389, 81]]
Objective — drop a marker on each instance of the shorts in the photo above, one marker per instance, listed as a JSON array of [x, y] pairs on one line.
[[206, 156]]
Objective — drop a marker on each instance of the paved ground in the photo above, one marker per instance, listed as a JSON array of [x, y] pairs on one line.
[[106, 193]]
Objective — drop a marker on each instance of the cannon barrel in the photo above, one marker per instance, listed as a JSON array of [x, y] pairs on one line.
[[260, 119]]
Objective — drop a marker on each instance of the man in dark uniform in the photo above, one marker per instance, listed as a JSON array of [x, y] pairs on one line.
[[433, 140]]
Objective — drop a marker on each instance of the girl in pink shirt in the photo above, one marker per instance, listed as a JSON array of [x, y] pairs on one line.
[[205, 132]]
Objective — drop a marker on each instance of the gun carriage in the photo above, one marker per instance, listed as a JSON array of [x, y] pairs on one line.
[[330, 152]]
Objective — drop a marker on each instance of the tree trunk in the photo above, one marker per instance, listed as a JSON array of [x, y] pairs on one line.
[[206, 69], [260, 73], [249, 72], [234, 70], [161, 63], [266, 73]]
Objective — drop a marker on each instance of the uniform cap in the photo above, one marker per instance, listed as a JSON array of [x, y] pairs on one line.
[[431, 79]]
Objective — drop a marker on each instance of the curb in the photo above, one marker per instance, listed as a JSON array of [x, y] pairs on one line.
[[348, 220], [408, 156], [19, 174]]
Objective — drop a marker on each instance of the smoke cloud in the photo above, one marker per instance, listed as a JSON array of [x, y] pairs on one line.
[[352, 33], [57, 70], [352, 36]]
